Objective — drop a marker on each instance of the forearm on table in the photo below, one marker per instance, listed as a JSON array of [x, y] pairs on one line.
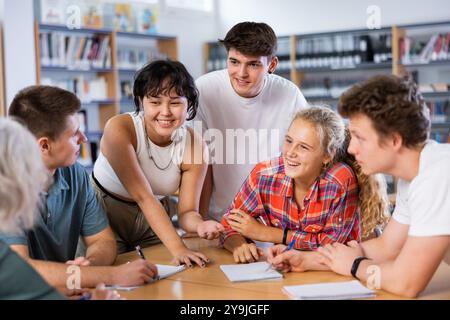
[[161, 224], [64, 275], [189, 221], [377, 250], [389, 277]]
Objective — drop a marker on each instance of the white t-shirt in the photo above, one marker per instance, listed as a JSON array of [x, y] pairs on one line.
[[266, 117], [424, 202]]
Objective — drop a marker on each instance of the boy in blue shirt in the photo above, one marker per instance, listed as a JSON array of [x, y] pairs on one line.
[[70, 208]]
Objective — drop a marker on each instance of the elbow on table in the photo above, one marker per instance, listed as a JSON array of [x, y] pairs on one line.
[[408, 290]]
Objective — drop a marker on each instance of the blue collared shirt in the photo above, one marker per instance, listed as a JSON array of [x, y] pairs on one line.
[[70, 210]]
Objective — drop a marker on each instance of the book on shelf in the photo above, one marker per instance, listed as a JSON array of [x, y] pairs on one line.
[[86, 89], [146, 18], [123, 17], [85, 156], [283, 53], [136, 58], [126, 89], [434, 87], [58, 49], [424, 49], [52, 11], [217, 58], [328, 88], [93, 14], [439, 111], [342, 50]]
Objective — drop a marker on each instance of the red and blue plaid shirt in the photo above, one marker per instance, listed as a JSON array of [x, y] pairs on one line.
[[330, 211]]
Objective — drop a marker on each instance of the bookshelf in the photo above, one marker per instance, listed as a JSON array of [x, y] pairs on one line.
[[94, 64], [423, 50], [327, 64]]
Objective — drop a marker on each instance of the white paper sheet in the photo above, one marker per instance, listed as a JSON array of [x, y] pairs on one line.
[[329, 291], [250, 272]]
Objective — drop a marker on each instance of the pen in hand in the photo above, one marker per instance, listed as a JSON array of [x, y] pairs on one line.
[[141, 254], [289, 247]]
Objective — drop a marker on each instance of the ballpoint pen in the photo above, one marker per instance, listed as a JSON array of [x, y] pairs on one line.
[[290, 246], [139, 252], [262, 220]]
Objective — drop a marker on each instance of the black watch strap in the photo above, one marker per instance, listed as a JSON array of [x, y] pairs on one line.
[[355, 266], [285, 233]]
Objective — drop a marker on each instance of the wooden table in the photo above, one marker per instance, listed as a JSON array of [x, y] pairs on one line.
[[210, 283]]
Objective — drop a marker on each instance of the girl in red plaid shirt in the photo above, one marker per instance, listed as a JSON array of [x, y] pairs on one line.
[[308, 196]]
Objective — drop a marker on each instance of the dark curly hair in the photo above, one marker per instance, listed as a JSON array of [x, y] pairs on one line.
[[251, 38], [394, 105], [160, 77]]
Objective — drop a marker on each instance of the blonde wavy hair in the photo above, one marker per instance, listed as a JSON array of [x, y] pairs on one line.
[[335, 138], [22, 177]]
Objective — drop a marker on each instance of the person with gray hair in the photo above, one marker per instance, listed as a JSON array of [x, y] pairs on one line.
[[307, 197], [23, 176], [20, 184]]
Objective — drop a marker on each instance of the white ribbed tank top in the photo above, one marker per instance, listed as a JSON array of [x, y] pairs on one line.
[[163, 182]]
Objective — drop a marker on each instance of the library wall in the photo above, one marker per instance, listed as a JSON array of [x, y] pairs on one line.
[[192, 30], [19, 51], [299, 17]]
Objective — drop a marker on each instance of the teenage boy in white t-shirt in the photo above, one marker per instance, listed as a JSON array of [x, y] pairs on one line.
[[246, 109], [389, 124]]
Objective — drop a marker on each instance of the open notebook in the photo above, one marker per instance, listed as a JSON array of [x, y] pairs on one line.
[[329, 291], [250, 271], [164, 271]]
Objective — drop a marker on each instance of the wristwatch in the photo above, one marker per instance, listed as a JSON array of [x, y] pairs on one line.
[[355, 266]]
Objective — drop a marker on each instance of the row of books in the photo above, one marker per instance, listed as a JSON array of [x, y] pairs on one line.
[[434, 87], [74, 51], [343, 50], [136, 58], [126, 89], [439, 110], [217, 58], [441, 136], [136, 17], [425, 50], [88, 150], [87, 90], [327, 88]]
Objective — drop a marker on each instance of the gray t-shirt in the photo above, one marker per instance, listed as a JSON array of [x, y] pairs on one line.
[[70, 210]]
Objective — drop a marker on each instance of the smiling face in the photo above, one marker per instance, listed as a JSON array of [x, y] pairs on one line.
[[303, 154], [372, 155], [247, 72], [163, 115]]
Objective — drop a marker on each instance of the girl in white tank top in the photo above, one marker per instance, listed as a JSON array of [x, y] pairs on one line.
[[150, 154]]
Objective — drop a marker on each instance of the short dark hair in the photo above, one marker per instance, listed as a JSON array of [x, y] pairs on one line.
[[160, 77], [394, 105], [251, 38], [44, 109]]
